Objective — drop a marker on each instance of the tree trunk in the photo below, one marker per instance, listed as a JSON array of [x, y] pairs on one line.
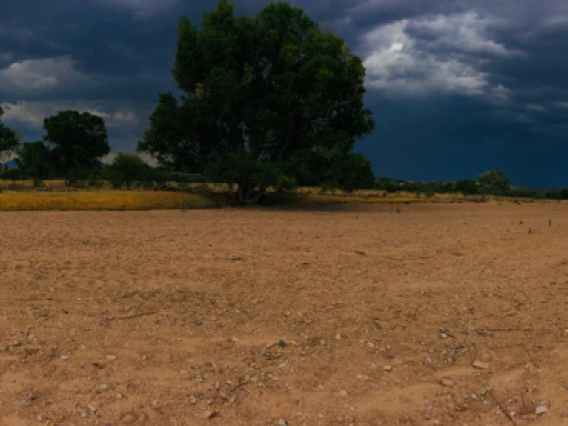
[[231, 191]]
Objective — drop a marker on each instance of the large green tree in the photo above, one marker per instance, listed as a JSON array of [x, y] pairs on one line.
[[9, 141], [79, 141], [262, 96]]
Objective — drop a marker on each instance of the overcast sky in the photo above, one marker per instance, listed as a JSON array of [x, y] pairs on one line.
[[457, 86]]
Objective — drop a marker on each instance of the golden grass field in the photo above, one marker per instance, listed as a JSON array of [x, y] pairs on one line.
[[55, 196], [103, 200]]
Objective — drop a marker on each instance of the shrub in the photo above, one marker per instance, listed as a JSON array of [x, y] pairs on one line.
[[126, 169]]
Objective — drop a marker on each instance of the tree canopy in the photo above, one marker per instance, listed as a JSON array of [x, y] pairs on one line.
[[34, 160], [263, 98], [9, 141], [79, 141]]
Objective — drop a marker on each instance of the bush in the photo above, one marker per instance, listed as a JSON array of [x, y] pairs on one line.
[[13, 174], [126, 169], [466, 187], [80, 176], [494, 182]]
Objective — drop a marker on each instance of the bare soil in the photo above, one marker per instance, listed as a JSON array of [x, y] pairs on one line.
[[340, 315]]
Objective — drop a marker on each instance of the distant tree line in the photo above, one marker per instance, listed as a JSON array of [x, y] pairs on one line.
[[491, 182], [75, 142]]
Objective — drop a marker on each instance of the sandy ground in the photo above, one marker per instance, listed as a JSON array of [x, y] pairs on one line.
[[358, 315]]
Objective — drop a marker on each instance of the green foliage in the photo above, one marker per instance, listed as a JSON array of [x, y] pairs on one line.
[[386, 184], [264, 97], [9, 141], [79, 141], [34, 161], [466, 187], [494, 182], [351, 172], [13, 174], [126, 169]]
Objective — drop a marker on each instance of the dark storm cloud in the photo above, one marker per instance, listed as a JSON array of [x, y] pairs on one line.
[[457, 86]]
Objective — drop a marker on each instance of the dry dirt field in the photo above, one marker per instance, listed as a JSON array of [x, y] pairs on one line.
[[334, 316]]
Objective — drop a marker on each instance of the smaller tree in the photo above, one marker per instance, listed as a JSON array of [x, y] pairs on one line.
[[79, 142], [126, 169], [34, 161], [9, 141], [494, 182]]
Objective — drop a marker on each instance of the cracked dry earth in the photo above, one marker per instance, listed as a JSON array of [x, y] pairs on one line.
[[332, 316]]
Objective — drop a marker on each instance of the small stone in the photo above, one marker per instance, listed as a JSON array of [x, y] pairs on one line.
[[282, 422], [447, 382], [541, 409], [64, 357], [480, 365], [84, 415], [119, 396], [193, 400], [282, 344], [208, 364], [111, 357], [210, 414], [444, 336], [342, 393], [322, 342], [338, 337], [234, 339], [387, 368]]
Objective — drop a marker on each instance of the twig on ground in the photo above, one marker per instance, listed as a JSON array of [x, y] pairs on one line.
[[503, 410]]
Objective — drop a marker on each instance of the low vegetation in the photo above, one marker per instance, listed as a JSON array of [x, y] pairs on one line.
[[103, 200]]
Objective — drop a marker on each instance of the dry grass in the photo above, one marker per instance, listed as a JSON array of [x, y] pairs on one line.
[[103, 200], [58, 197]]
